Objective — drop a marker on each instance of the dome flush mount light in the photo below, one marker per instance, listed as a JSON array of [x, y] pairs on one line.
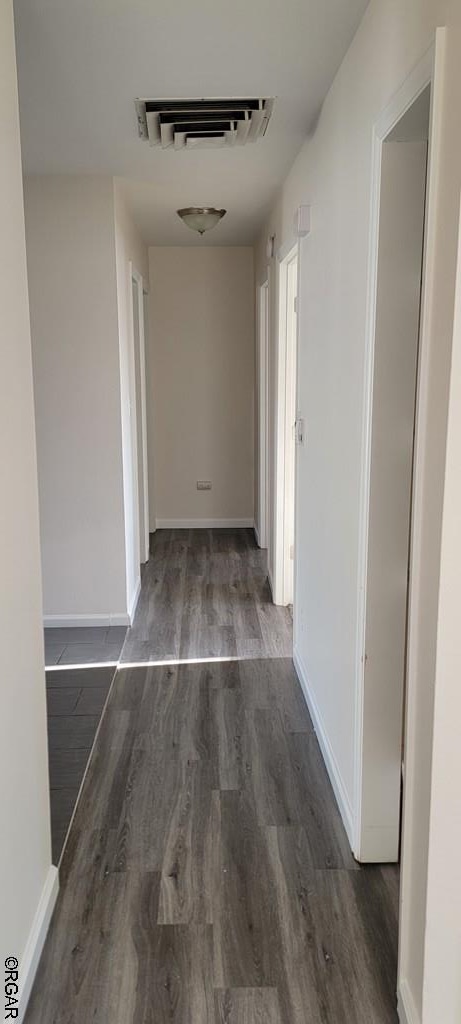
[[201, 218]]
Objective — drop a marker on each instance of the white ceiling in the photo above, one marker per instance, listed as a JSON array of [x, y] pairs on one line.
[[81, 63]]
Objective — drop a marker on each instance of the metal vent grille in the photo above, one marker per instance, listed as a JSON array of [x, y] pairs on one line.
[[205, 124]]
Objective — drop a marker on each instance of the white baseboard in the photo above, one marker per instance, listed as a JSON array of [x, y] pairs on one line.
[[256, 532], [203, 524], [30, 959], [331, 764], [134, 602], [110, 619], [406, 1008]]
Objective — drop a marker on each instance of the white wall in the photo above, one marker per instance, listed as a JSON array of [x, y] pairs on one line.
[[333, 174], [442, 983], [25, 848], [201, 381], [73, 299], [128, 248]]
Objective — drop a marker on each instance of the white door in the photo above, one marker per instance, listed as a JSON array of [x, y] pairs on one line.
[[263, 405], [141, 416], [290, 418], [400, 253]]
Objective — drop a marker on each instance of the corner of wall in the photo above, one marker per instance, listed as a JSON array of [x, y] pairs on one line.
[[329, 758], [406, 1007], [30, 959]]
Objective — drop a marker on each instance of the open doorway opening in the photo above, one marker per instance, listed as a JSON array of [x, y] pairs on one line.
[[285, 418], [262, 529], [141, 412], [393, 398]]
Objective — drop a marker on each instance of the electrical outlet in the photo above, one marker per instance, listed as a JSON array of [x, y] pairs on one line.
[[204, 485]]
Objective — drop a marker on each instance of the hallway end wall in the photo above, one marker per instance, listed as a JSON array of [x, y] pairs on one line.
[[201, 384]]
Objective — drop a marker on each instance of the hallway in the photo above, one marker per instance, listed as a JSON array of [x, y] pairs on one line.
[[207, 875], [218, 808]]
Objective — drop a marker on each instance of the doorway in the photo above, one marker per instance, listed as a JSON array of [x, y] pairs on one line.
[[285, 419], [141, 411], [262, 529], [393, 395]]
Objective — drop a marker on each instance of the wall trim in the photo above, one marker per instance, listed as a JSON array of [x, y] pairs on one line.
[[331, 763], [29, 960], [109, 619], [203, 524], [262, 382], [428, 343], [134, 602], [286, 248], [286, 254], [256, 533], [406, 1008], [139, 349]]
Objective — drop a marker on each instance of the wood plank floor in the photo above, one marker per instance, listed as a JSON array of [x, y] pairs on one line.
[[207, 878], [205, 593]]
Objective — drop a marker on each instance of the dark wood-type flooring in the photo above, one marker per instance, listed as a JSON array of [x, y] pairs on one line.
[[205, 593], [207, 878]]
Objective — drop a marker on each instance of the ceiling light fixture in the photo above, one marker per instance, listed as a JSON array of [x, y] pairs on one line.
[[201, 218]]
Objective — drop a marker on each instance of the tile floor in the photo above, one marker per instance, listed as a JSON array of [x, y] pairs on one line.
[[75, 701], [83, 646]]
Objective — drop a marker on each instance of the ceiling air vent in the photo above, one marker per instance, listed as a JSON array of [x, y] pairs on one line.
[[204, 124]]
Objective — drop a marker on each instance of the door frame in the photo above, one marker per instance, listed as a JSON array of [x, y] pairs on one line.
[[429, 71], [415, 84], [262, 531], [286, 255], [149, 418], [139, 352]]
